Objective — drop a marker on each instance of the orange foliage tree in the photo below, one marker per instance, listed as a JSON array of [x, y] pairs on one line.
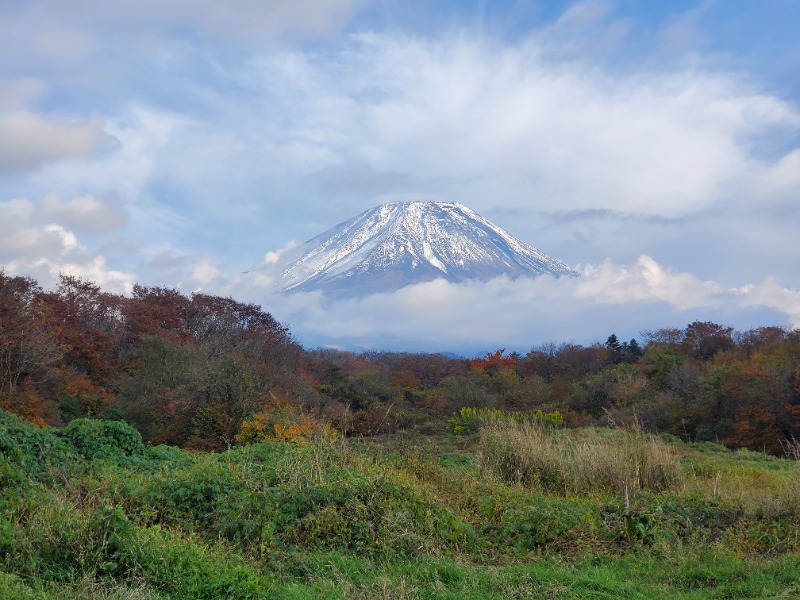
[[493, 360]]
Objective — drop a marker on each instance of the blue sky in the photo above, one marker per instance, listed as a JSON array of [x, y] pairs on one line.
[[655, 146]]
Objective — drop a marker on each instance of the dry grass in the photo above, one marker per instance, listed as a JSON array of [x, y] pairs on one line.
[[759, 492], [578, 461], [792, 448]]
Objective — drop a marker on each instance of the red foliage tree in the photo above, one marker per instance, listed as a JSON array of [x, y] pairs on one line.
[[28, 355], [156, 311]]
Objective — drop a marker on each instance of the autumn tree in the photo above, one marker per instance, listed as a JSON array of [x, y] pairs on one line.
[[28, 355], [430, 369], [575, 362], [493, 361], [89, 324], [665, 336], [404, 379], [761, 337], [703, 339], [223, 324], [541, 361], [156, 311], [160, 387]]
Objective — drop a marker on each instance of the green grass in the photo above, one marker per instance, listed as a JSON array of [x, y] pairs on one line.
[[90, 512]]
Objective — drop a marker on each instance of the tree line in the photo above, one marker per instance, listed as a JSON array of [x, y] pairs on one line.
[[190, 370]]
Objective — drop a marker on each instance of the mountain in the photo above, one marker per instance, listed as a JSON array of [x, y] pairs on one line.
[[394, 245]]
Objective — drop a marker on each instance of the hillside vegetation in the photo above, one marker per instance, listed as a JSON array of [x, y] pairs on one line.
[[192, 371], [171, 446]]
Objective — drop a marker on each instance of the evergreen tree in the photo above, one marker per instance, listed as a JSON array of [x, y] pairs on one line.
[[613, 343]]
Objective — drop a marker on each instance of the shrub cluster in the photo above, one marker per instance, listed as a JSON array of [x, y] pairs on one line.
[[280, 421]]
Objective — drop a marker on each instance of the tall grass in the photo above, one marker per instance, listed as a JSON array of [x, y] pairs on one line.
[[578, 461], [762, 486], [470, 420]]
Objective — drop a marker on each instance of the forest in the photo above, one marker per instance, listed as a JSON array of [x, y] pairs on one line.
[[204, 372]]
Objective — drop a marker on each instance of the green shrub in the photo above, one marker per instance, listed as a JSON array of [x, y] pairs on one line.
[[56, 543], [32, 449], [103, 439], [12, 478], [272, 520], [59, 543]]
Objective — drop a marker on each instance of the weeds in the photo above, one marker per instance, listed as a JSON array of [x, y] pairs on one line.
[[470, 420], [578, 461], [791, 447], [761, 486]]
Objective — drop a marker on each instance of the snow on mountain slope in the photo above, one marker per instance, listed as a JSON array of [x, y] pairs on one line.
[[394, 245]]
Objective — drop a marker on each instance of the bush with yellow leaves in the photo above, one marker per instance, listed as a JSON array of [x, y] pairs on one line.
[[281, 421]]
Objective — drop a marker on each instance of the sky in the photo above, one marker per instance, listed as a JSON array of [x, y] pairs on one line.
[[653, 146]]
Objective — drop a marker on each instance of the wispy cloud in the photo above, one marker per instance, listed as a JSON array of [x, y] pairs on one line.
[[30, 139]]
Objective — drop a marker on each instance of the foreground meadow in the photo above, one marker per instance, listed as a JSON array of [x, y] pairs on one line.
[[513, 510]]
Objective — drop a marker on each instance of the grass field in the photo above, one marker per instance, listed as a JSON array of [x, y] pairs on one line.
[[511, 511]]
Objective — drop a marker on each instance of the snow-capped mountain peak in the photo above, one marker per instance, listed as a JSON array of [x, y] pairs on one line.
[[394, 245]]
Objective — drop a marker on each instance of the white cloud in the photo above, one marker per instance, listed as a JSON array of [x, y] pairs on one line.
[[204, 272], [68, 240], [643, 281], [252, 19], [780, 180], [482, 119], [96, 270], [145, 137], [286, 143], [273, 256], [30, 139], [32, 245], [770, 293], [16, 93], [438, 315]]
